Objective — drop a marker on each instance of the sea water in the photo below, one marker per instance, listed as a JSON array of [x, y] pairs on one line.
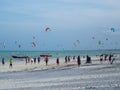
[[61, 54]]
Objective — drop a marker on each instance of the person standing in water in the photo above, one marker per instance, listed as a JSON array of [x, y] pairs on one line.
[[10, 63]]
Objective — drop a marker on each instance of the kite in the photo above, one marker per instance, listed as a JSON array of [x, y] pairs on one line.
[[93, 37], [15, 42], [33, 37], [112, 29], [4, 45], [99, 42], [78, 41], [34, 44], [19, 46], [47, 29], [106, 39], [75, 44]]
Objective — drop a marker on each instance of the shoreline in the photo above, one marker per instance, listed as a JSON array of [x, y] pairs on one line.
[[21, 66]]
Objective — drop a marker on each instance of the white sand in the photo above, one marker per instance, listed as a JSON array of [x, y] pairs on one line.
[[93, 76], [21, 66]]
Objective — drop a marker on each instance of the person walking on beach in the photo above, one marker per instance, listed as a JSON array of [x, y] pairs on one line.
[[66, 59], [38, 60], [110, 58], [78, 61], [3, 61], [106, 57], [32, 61], [57, 61], [88, 59], [101, 58], [26, 61], [46, 60], [73, 57], [35, 60], [10, 63]]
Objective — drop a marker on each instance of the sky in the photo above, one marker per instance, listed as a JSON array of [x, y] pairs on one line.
[[73, 24]]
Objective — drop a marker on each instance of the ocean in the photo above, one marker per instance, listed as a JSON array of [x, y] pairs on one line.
[[61, 54]]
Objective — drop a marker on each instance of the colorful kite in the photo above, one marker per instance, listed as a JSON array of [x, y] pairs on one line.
[[47, 29], [33, 37], [78, 41], [93, 37], [15, 42], [34, 44], [99, 42], [19, 46], [106, 39], [74, 44], [112, 29]]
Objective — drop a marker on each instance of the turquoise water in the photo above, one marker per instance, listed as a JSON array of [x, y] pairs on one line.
[[7, 54]]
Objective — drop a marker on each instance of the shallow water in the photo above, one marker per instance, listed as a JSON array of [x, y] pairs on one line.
[[7, 54]]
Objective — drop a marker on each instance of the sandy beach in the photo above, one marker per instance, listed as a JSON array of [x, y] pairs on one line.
[[59, 44], [22, 66], [95, 76]]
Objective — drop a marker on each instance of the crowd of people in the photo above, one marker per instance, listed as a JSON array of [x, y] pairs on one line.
[[102, 57], [10, 62], [107, 57], [32, 60]]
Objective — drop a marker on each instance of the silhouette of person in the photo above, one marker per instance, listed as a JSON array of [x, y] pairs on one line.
[[38, 60], [66, 59], [57, 61], [10, 63], [46, 60], [78, 61], [3, 61]]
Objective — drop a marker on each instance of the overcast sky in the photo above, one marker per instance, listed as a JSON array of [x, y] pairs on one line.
[[74, 24]]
